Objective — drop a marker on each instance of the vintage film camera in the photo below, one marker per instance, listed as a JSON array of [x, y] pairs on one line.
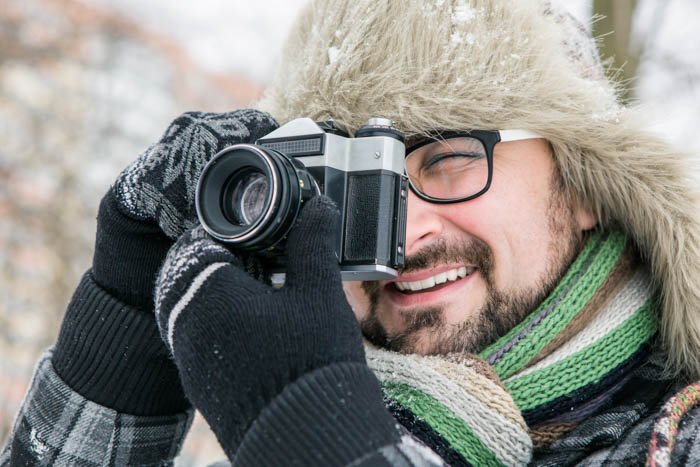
[[249, 195]]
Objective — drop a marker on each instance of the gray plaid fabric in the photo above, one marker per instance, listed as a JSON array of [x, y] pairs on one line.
[[58, 427], [633, 445], [620, 434], [407, 452]]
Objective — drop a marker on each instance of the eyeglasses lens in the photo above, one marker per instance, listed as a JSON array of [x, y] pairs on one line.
[[449, 169]]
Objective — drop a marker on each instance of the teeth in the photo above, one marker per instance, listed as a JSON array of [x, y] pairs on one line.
[[451, 275], [441, 278]]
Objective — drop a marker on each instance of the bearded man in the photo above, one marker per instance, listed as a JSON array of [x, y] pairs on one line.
[[546, 314]]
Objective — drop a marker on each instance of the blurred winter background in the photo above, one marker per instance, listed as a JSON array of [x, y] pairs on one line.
[[86, 85]]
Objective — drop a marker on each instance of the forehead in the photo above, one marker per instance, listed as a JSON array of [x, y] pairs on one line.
[[529, 156]]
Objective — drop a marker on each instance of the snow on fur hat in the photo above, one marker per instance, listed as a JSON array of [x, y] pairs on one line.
[[499, 64]]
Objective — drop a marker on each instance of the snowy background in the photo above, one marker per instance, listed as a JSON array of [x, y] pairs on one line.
[[86, 85], [239, 37], [245, 38]]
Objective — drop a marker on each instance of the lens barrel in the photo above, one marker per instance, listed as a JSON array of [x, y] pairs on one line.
[[249, 196]]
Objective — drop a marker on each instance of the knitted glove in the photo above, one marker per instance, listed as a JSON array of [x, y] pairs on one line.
[[291, 359], [109, 349], [152, 202]]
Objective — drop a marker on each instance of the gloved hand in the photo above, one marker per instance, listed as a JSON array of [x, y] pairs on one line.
[[109, 349], [152, 202], [239, 343]]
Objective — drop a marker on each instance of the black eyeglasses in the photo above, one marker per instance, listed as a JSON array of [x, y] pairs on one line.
[[456, 166]]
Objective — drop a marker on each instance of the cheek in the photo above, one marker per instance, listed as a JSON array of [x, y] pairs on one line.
[[529, 245], [512, 219]]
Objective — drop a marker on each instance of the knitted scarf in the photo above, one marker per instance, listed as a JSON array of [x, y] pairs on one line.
[[565, 360]]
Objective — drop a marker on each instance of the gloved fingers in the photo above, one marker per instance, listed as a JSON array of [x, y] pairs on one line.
[[160, 185], [192, 253], [243, 126], [211, 132], [240, 285], [311, 256], [190, 264], [220, 294]]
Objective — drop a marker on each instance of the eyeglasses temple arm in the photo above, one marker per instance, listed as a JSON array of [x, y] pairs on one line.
[[515, 135]]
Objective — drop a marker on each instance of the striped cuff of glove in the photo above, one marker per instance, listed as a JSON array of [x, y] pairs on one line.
[[331, 416], [113, 355]]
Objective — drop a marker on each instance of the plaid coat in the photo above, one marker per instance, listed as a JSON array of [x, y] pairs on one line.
[[58, 427]]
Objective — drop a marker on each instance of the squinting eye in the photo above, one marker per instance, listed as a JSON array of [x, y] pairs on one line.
[[450, 161]]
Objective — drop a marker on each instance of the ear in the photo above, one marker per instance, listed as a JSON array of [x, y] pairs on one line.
[[585, 219]]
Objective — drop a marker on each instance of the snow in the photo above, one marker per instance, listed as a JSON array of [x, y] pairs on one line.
[[221, 35], [333, 53], [247, 37], [463, 13], [458, 38]]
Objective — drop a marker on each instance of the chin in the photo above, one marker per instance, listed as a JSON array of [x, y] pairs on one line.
[[422, 346]]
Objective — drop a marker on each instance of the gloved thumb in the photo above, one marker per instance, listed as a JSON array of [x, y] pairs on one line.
[[312, 243]]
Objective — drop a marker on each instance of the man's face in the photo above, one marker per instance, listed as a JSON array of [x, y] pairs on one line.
[[502, 253]]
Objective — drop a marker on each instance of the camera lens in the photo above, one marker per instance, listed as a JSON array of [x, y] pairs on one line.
[[249, 196], [244, 198]]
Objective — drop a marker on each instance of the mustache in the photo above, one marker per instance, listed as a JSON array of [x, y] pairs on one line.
[[474, 252]]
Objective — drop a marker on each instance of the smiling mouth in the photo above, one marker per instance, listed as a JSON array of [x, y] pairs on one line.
[[435, 282]]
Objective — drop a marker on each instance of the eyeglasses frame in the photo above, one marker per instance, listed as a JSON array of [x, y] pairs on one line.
[[489, 138]]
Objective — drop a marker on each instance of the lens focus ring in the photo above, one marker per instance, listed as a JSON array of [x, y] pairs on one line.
[[249, 196]]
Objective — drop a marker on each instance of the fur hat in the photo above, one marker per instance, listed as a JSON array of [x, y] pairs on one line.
[[499, 64]]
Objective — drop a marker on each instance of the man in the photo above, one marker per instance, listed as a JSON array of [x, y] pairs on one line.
[[547, 232]]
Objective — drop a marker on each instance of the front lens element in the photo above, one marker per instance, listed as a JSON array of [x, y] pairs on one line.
[[245, 198]]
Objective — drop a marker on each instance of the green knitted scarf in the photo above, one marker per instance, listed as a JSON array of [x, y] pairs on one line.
[[534, 384]]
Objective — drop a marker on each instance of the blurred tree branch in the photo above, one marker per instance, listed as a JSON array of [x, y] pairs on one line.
[[613, 28]]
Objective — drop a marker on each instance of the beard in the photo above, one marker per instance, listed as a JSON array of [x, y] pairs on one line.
[[425, 330]]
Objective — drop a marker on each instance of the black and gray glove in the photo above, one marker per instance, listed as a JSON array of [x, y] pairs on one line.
[[279, 374], [109, 349]]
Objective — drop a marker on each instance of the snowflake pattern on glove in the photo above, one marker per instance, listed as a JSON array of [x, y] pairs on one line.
[[160, 185]]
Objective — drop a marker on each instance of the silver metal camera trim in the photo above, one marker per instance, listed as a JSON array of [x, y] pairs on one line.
[[268, 210], [349, 273], [376, 153], [374, 272]]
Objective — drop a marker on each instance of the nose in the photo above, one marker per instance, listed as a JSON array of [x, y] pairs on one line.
[[424, 224]]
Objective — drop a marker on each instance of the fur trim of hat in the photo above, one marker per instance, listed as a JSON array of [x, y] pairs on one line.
[[500, 64]]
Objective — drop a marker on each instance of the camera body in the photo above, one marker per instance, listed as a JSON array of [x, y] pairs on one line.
[[249, 196]]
